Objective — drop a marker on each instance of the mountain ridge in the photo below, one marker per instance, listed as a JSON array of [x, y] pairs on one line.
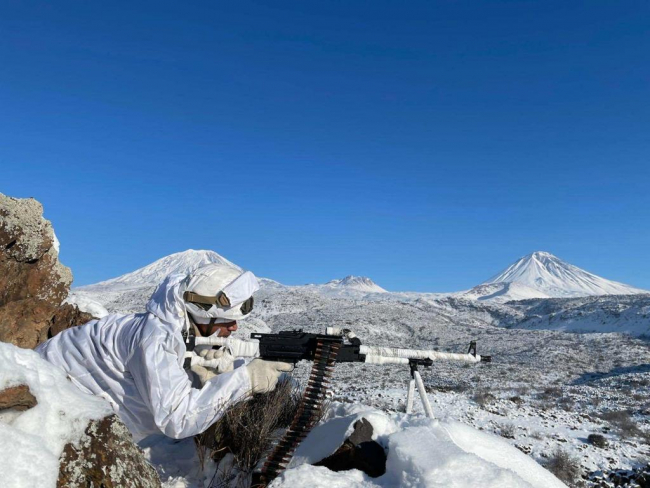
[[361, 283], [537, 275]]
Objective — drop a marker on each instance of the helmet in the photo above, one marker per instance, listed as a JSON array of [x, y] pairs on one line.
[[218, 293]]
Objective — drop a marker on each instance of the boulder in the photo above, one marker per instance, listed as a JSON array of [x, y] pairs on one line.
[[106, 457], [358, 451], [17, 398], [66, 316], [33, 282]]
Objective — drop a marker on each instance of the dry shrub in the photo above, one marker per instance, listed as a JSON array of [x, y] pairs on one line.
[[247, 430], [508, 431], [550, 393], [597, 440], [517, 400], [564, 466], [536, 434], [483, 397]]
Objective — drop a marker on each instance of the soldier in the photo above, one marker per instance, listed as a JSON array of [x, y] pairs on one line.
[[136, 361]]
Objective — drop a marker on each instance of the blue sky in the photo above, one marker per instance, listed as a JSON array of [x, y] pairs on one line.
[[426, 145]]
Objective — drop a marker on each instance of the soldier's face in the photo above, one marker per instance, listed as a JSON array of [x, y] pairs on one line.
[[224, 330]]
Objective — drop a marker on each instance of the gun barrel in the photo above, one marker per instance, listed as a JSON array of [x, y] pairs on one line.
[[372, 359], [394, 352], [292, 347]]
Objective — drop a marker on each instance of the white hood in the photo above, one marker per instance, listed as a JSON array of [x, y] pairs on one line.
[[167, 302]]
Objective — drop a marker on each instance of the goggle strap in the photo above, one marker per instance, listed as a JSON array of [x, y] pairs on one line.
[[220, 299]]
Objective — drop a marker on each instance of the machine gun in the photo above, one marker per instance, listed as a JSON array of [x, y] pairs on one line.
[[324, 350]]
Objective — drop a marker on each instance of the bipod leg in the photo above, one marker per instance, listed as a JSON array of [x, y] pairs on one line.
[[417, 379], [423, 394], [410, 395]]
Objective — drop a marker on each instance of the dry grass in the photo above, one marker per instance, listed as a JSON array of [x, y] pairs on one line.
[[623, 422], [246, 431]]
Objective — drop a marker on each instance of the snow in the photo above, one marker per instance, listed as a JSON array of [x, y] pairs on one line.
[[56, 243], [87, 304], [421, 453], [321, 477], [502, 292], [32, 441], [556, 278], [176, 461]]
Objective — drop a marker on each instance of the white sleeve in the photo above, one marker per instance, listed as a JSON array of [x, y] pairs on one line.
[[179, 410]]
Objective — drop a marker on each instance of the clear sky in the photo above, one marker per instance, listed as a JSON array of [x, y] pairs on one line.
[[426, 145]]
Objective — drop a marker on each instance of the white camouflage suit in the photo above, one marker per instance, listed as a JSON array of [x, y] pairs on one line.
[[136, 363]]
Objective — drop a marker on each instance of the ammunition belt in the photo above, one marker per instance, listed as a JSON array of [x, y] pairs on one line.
[[308, 412]]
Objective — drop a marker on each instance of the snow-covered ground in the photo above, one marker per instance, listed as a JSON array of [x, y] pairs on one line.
[[421, 452], [32, 441], [547, 389]]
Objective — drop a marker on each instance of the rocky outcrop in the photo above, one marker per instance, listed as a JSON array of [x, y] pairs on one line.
[[33, 285], [33, 282], [106, 457]]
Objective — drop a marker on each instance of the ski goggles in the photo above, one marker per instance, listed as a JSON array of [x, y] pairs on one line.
[[234, 300]]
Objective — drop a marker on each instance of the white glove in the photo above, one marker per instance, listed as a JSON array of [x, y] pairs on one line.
[[264, 374], [222, 360], [203, 374]]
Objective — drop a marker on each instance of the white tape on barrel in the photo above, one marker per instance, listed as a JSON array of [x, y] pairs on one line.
[[237, 347], [371, 359], [395, 352]]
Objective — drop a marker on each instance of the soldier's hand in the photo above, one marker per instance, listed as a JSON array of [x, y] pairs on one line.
[[223, 360], [264, 374], [203, 374]]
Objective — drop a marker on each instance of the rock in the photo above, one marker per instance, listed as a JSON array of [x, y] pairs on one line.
[[106, 457], [358, 451], [65, 317], [524, 448], [33, 282], [17, 398]]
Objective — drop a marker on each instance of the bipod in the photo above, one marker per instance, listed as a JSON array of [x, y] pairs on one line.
[[416, 380]]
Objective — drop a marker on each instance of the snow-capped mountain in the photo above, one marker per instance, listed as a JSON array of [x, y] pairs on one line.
[[360, 283], [130, 292], [355, 287], [548, 274], [152, 274]]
